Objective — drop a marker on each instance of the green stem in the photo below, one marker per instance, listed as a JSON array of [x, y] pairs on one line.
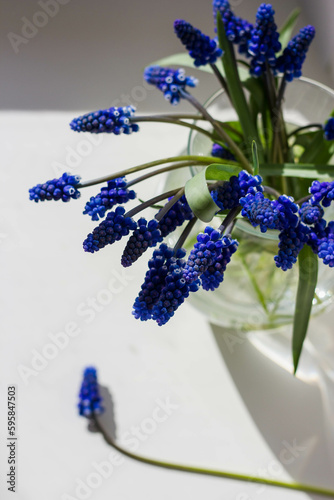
[[179, 193], [221, 79], [210, 472], [254, 283], [161, 171], [229, 218], [174, 121], [305, 127], [206, 160], [149, 203], [185, 233], [235, 88], [225, 137]]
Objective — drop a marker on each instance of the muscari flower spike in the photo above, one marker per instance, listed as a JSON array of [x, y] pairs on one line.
[[203, 254], [115, 193], [322, 192], [291, 61], [169, 81], [111, 121], [326, 245], [310, 214], [147, 234], [89, 396], [175, 217], [173, 294], [112, 229], [227, 195], [329, 130], [264, 43], [292, 240], [317, 233], [238, 31], [214, 275], [158, 268], [221, 152], [63, 189], [200, 47], [277, 214]]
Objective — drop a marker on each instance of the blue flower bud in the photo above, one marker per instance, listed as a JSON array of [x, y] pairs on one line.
[[201, 48], [146, 235], [169, 81], [110, 121], [89, 396], [57, 189], [291, 61], [112, 229], [292, 240], [115, 193], [329, 129]]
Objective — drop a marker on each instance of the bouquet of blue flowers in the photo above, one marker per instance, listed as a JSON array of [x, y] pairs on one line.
[[273, 176]]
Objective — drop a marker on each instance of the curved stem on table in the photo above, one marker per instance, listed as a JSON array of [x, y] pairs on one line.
[[209, 472]]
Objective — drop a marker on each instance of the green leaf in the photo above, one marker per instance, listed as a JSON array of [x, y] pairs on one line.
[[197, 191], [303, 170], [183, 59], [255, 158], [308, 273], [256, 89], [286, 31]]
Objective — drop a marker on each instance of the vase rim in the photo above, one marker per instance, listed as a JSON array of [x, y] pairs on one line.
[[303, 79]]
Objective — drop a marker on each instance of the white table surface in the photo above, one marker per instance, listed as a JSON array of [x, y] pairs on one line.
[[239, 411]]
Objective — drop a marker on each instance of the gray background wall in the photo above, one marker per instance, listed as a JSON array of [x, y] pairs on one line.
[[90, 53]]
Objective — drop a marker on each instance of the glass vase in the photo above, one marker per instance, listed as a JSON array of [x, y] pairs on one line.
[[255, 294]]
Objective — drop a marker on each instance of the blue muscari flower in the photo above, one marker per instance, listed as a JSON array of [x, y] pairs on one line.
[[175, 217], [310, 214], [112, 229], [89, 396], [203, 254], [115, 193], [291, 61], [317, 232], [222, 152], [158, 268], [322, 192], [292, 240], [238, 31], [329, 130], [214, 275], [201, 48], [147, 234], [326, 245], [227, 195], [169, 81], [173, 294], [110, 121], [264, 43], [57, 189], [276, 214]]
